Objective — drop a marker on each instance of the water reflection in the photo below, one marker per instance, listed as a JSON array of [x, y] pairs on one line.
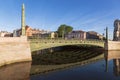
[[19, 71], [115, 56]]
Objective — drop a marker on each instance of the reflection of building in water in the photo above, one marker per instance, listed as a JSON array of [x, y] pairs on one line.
[[18, 71], [115, 55], [116, 66]]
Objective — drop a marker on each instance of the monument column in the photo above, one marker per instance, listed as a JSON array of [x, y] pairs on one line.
[[23, 20]]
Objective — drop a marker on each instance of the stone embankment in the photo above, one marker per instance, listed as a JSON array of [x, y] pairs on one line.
[[112, 45], [14, 49]]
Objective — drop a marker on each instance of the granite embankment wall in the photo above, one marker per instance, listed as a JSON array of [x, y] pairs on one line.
[[14, 49], [112, 45]]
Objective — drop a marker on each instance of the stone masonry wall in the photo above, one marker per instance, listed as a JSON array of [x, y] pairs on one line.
[[112, 45], [14, 49]]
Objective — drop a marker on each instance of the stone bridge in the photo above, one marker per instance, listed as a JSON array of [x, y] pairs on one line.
[[44, 43]]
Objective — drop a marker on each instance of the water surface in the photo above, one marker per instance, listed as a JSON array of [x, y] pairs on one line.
[[94, 71]]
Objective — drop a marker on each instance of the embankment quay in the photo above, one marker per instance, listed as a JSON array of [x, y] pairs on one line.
[[14, 49]]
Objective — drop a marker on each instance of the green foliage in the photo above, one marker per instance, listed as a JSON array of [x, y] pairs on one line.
[[68, 29], [63, 30]]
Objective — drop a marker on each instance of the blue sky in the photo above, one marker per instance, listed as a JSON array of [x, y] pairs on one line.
[[84, 15]]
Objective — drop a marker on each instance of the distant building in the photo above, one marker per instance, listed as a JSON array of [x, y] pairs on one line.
[[30, 32], [82, 35], [18, 32], [79, 34], [116, 36], [94, 35], [5, 34], [50, 35]]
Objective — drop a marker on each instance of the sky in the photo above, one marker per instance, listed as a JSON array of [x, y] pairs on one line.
[[86, 15]]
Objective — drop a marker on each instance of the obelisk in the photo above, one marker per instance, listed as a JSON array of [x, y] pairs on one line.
[[23, 20]]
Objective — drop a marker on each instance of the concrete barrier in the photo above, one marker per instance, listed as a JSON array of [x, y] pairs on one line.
[[14, 49]]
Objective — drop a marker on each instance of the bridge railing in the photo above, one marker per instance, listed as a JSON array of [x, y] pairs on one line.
[[64, 41], [38, 44]]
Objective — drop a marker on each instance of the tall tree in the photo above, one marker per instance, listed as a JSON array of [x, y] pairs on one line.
[[63, 30], [68, 29]]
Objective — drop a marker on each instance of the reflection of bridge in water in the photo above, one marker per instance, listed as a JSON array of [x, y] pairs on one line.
[[115, 56]]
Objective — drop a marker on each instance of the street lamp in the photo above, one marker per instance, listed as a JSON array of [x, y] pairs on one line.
[[106, 31], [106, 34]]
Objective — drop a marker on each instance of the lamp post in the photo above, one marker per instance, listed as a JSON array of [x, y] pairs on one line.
[[106, 69], [106, 34]]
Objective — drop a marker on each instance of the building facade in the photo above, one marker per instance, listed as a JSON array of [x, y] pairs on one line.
[[50, 35], [76, 35], [82, 35], [94, 35], [28, 31], [116, 33], [5, 34], [33, 33]]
